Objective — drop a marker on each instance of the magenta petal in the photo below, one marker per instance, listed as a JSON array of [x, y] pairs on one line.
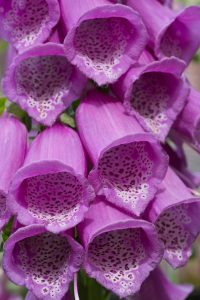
[[171, 34], [42, 261], [128, 163], [43, 82], [25, 23], [50, 188], [104, 39], [120, 251], [175, 212], [31, 296], [188, 123], [155, 94], [13, 141], [158, 287]]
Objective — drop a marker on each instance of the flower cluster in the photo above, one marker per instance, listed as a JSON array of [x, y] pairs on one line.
[[106, 195]]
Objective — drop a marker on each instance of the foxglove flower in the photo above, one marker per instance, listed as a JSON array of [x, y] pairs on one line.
[[171, 34], [120, 251], [175, 213], [154, 93], [26, 22], [31, 296], [42, 261], [128, 163], [188, 123], [166, 2], [43, 82], [179, 163], [104, 39], [13, 141], [158, 287], [50, 188]]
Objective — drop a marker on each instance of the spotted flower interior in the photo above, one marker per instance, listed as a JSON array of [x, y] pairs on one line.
[[2, 204], [102, 44], [153, 94], [25, 21], [115, 257], [44, 260], [41, 82], [128, 169], [53, 198], [174, 230]]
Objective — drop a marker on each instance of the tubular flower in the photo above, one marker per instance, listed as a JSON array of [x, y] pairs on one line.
[[13, 141], [188, 123], [166, 2], [171, 33], [50, 188], [42, 261], [120, 251], [154, 93], [128, 163], [43, 82], [175, 213], [31, 296], [104, 39], [26, 22], [178, 161], [157, 286]]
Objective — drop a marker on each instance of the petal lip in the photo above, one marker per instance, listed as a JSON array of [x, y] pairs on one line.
[[167, 66], [174, 195], [102, 125], [17, 276], [76, 85], [54, 16], [133, 52], [159, 172], [93, 226], [40, 168]]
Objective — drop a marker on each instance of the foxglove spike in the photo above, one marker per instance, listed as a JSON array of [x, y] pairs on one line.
[[104, 39], [154, 93], [171, 33], [188, 123], [50, 188], [43, 82], [25, 23], [128, 163], [175, 213], [158, 287], [41, 261], [120, 251], [13, 141]]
